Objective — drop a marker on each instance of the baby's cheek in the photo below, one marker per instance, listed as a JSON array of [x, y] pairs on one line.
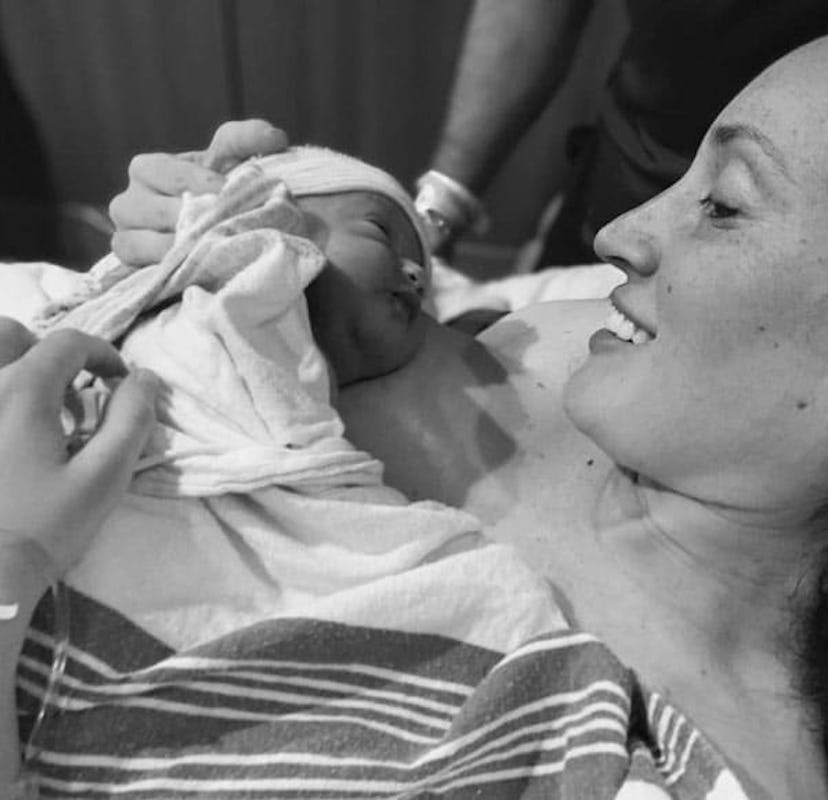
[[387, 335], [414, 336]]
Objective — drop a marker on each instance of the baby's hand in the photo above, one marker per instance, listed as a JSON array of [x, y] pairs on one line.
[[146, 212]]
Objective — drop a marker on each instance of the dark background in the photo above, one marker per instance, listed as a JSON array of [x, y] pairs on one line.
[[103, 80]]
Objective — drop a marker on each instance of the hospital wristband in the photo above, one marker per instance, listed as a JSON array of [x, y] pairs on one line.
[[448, 207]]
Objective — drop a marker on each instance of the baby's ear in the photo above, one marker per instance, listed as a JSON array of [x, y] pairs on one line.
[[416, 274]]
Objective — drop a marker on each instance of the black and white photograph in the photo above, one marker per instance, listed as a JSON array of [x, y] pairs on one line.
[[414, 399]]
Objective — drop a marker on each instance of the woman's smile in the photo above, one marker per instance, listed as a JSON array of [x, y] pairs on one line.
[[619, 329], [625, 328]]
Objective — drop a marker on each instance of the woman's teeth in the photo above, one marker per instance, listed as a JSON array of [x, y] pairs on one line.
[[625, 328]]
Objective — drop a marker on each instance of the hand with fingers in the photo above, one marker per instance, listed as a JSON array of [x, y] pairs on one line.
[[146, 212], [51, 501]]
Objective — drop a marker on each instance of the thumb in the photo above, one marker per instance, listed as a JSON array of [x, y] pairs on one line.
[[15, 340], [105, 464], [237, 141]]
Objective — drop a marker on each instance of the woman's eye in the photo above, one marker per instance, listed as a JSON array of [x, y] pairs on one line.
[[717, 210]]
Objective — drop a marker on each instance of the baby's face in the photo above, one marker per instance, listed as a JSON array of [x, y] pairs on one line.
[[364, 305]]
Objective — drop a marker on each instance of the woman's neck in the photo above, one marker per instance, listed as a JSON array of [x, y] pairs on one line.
[[740, 575], [727, 590]]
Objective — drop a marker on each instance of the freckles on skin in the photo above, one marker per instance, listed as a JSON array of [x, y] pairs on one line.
[[815, 320]]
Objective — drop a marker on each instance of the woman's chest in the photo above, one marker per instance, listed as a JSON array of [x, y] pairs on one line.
[[606, 588]]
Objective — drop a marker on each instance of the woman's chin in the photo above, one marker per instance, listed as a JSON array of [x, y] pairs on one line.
[[598, 397], [581, 398]]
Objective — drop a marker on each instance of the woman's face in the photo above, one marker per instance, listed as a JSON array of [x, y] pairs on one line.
[[726, 395]]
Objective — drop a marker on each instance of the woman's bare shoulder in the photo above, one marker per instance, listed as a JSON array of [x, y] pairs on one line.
[[549, 338], [469, 417]]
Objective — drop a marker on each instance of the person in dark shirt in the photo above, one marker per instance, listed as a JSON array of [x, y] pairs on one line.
[[680, 63], [28, 221]]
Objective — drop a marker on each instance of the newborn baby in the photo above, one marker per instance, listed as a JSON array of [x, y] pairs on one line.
[[365, 303], [316, 263], [306, 272]]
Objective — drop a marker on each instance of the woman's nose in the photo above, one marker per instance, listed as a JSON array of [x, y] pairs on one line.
[[629, 241]]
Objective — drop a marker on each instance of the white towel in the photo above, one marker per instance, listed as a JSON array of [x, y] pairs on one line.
[[249, 503], [246, 403]]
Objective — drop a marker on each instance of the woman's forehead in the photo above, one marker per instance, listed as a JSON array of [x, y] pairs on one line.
[[781, 146], [785, 111]]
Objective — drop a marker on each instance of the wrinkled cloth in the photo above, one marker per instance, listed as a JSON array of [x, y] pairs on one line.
[[457, 679], [280, 643], [247, 397], [248, 502]]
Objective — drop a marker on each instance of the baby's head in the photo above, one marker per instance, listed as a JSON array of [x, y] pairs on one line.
[[365, 304]]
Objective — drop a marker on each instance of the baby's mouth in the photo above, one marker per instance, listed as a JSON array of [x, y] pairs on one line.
[[410, 301], [625, 329]]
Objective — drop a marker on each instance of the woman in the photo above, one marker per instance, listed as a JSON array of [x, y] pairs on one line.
[[685, 528], [676, 503]]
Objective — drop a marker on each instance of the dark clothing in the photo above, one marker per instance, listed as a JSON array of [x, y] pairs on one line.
[[682, 62], [27, 200]]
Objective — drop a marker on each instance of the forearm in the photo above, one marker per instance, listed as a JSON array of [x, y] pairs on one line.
[[53, 501], [515, 56], [22, 583]]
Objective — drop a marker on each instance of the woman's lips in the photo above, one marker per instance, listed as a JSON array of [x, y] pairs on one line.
[[624, 326]]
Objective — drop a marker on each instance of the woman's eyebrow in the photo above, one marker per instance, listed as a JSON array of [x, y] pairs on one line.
[[724, 134]]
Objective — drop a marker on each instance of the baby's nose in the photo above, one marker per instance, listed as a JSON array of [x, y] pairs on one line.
[[416, 274]]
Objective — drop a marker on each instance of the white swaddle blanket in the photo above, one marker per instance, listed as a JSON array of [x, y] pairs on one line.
[[249, 502]]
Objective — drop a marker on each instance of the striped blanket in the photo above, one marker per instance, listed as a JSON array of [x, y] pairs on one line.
[[306, 707]]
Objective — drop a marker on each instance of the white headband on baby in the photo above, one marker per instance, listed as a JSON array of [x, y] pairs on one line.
[[308, 170]]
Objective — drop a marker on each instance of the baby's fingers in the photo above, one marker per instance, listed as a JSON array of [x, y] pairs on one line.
[[104, 466], [52, 364]]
